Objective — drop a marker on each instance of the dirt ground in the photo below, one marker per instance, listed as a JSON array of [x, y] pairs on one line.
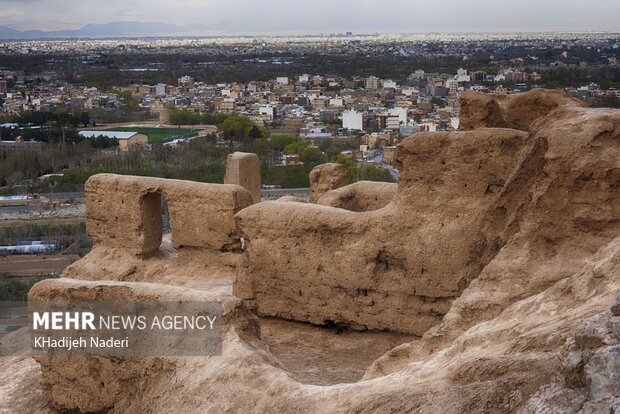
[[325, 356]]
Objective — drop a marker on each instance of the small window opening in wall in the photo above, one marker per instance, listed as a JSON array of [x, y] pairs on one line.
[[166, 239], [156, 222], [165, 215]]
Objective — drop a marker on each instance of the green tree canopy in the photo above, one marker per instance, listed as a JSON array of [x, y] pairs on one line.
[[311, 155], [240, 129], [278, 142]]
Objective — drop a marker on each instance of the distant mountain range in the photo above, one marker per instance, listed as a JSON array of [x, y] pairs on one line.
[[114, 29]]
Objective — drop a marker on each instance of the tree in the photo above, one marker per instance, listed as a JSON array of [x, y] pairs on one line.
[[184, 117], [311, 155], [130, 101], [238, 128], [295, 147], [213, 119], [255, 132], [187, 117], [367, 172], [278, 142], [103, 142], [84, 119], [333, 151], [324, 144]]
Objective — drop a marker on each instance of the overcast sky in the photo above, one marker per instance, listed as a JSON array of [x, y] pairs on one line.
[[258, 16]]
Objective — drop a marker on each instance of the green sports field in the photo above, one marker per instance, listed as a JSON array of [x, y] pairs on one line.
[[157, 135]]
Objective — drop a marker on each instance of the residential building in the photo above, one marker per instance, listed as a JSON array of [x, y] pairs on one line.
[[353, 120], [372, 83]]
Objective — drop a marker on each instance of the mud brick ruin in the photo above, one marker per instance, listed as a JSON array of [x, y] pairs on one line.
[[497, 253], [126, 212]]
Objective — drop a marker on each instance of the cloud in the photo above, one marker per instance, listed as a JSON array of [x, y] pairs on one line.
[[326, 15], [127, 13]]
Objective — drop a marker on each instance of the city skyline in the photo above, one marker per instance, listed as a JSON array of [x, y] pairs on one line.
[[282, 17]]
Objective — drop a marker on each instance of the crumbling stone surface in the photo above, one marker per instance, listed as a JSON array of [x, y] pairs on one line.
[[360, 196], [124, 212], [589, 371], [243, 169], [326, 177], [479, 110]]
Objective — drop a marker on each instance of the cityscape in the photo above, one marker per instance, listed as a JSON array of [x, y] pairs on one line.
[[297, 88]]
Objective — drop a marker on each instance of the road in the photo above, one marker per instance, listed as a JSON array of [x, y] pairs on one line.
[[379, 159]]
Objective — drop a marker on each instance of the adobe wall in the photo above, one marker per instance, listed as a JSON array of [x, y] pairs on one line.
[[399, 267], [511, 212], [571, 210], [124, 212], [326, 177], [243, 169]]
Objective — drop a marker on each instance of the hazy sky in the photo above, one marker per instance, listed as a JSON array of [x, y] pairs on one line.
[[314, 16]]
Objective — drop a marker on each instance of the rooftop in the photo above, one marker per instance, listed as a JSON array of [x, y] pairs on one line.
[[109, 134]]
